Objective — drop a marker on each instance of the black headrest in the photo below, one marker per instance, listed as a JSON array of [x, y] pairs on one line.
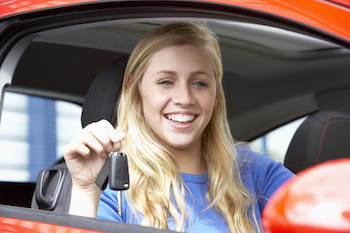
[[323, 136], [102, 96]]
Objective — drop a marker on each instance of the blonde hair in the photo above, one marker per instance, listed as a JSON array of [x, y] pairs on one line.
[[156, 191]]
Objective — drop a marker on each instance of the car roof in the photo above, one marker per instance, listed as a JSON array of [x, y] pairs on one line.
[[311, 12]]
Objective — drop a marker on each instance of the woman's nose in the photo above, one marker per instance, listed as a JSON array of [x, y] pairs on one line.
[[184, 95]]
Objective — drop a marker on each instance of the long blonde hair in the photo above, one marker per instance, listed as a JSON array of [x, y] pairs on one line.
[[156, 191]]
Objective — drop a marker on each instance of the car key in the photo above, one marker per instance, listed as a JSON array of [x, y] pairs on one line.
[[115, 171], [119, 176], [118, 172]]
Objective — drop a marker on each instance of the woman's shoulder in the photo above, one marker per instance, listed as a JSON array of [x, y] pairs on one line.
[[265, 173], [247, 157], [260, 167]]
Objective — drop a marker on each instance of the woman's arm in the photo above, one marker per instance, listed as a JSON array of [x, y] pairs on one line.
[[84, 202], [85, 156]]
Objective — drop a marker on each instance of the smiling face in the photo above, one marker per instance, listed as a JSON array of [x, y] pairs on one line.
[[178, 92]]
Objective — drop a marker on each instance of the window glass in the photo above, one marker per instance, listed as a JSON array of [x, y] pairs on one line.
[[275, 143], [33, 133]]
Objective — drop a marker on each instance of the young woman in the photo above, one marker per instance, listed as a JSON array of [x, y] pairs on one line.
[[186, 171]]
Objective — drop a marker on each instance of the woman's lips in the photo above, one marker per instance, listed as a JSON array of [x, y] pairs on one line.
[[180, 118]]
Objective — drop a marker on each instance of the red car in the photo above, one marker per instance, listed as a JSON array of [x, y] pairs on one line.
[[283, 60]]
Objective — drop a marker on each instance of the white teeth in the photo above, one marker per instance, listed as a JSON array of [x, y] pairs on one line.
[[180, 118]]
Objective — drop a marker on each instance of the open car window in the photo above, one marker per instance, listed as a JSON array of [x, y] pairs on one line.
[[33, 133], [264, 67]]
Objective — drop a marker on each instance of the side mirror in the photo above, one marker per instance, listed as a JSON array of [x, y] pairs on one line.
[[316, 201]]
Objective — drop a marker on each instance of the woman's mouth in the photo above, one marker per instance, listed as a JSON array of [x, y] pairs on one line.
[[180, 118]]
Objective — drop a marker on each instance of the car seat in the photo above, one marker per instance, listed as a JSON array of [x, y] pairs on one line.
[[323, 136], [53, 187]]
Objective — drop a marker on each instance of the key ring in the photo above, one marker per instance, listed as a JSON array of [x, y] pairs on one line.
[[120, 150]]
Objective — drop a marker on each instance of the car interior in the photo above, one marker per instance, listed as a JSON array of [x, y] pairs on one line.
[[274, 73]]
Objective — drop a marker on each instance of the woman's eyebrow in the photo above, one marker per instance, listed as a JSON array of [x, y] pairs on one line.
[[194, 73], [165, 72]]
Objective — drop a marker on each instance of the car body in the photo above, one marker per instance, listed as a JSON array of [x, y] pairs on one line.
[[283, 60]]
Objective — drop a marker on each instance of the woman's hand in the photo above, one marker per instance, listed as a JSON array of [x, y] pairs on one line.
[[85, 156], [88, 151]]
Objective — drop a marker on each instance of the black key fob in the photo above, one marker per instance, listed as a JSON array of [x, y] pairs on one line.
[[102, 177], [118, 173]]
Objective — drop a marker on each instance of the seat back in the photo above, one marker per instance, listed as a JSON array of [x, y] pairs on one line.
[[323, 136], [103, 94], [53, 187]]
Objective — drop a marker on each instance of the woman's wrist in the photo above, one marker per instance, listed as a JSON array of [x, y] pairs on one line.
[[84, 201]]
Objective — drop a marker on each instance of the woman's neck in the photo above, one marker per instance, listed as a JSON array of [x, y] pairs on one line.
[[190, 160]]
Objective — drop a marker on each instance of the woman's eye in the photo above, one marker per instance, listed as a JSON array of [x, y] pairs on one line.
[[165, 82], [199, 84]]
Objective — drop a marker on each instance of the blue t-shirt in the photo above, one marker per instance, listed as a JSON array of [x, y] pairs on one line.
[[260, 174]]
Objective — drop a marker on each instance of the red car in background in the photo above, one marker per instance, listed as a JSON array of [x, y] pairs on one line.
[[283, 60]]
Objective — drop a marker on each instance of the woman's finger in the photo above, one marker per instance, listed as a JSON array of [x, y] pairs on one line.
[[92, 143], [110, 131]]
